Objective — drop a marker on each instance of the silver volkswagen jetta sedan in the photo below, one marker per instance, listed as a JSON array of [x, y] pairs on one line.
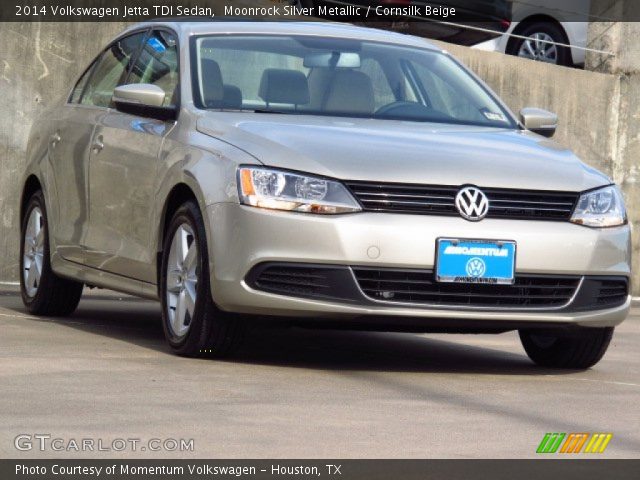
[[324, 173]]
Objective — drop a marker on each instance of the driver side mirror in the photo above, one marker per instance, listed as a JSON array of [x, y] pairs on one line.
[[143, 99], [539, 121]]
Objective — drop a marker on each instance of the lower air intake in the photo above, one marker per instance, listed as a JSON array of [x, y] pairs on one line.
[[420, 287]]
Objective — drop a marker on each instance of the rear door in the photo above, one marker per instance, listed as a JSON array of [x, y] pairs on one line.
[[69, 154], [123, 170], [71, 140]]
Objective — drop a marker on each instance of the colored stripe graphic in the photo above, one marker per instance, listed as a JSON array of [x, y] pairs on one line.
[[550, 443], [543, 443], [573, 442], [598, 443]]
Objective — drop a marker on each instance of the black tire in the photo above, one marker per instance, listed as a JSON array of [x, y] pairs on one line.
[[55, 296], [575, 350], [211, 332], [553, 30]]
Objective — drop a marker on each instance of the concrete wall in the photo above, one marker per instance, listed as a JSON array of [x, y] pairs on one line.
[[598, 111], [624, 64], [38, 63]]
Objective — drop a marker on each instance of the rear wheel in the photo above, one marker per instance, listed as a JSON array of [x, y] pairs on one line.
[[575, 350], [541, 44], [193, 325], [43, 292]]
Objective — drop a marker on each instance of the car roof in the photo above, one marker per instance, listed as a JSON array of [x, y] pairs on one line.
[[318, 28]]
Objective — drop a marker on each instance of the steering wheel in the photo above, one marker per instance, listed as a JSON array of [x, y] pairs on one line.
[[400, 107]]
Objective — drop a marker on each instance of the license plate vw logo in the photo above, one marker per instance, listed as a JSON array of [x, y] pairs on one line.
[[476, 267]]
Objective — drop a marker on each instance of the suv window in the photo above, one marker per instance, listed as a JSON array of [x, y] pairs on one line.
[[158, 64], [110, 68]]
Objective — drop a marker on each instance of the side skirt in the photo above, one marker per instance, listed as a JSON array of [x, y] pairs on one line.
[[102, 279]]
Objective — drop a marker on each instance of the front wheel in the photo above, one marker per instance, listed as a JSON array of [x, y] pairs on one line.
[[193, 324], [577, 350], [43, 292]]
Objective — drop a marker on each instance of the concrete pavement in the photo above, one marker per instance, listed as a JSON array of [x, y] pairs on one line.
[[105, 373]]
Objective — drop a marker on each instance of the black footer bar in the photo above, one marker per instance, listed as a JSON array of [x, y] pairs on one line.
[[566, 469]]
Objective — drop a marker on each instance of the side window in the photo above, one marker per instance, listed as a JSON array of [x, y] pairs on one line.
[[109, 70], [77, 90], [158, 64]]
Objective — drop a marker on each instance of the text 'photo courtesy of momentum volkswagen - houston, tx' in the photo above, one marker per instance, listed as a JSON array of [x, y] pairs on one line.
[[322, 173]]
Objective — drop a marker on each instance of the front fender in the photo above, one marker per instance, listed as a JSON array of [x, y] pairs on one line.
[[207, 166]]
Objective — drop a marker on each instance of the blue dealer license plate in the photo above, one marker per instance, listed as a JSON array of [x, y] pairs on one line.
[[475, 261]]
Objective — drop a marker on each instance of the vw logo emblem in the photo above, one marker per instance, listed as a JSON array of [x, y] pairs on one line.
[[476, 267], [472, 203]]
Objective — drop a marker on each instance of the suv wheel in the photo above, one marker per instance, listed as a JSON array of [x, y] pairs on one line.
[[43, 292], [575, 350], [536, 47], [192, 323]]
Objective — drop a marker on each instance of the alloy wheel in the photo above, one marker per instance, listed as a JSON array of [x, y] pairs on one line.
[[536, 47], [182, 280], [33, 257]]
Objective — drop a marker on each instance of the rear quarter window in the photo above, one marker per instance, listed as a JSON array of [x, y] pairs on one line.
[[76, 93]]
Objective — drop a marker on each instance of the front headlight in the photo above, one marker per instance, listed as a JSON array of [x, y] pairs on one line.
[[282, 190], [600, 208]]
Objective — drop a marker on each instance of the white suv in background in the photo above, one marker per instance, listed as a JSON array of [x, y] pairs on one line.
[[550, 22]]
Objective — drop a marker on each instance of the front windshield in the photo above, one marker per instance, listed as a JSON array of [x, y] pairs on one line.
[[339, 77]]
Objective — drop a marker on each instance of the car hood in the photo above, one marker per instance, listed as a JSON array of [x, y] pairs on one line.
[[406, 152]]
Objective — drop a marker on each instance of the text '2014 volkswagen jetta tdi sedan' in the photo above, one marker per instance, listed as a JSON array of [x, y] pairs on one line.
[[318, 172]]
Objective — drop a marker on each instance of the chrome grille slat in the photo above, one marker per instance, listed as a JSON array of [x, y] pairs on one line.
[[389, 284], [403, 195], [533, 208], [403, 186], [301, 275], [477, 295], [531, 202], [408, 202]]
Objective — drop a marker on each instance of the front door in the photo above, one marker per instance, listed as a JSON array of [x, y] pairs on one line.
[[123, 172]]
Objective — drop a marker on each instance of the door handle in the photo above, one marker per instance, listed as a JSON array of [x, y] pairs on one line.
[[97, 144], [54, 139]]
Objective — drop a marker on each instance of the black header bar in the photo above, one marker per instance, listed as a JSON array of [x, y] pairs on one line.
[[488, 12]]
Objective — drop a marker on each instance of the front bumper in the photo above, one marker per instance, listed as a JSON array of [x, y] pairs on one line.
[[241, 238]]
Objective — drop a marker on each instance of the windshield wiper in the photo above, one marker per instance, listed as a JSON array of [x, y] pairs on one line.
[[262, 110]]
